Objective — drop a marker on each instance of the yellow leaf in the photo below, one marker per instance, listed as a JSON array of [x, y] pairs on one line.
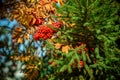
[[47, 7], [28, 0], [58, 45], [27, 58], [20, 40], [65, 48], [50, 40], [72, 25], [31, 31], [50, 21], [29, 18], [60, 2], [31, 1], [53, 37], [27, 36], [43, 15]]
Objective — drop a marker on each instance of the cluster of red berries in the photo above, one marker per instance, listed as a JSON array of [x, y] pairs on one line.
[[45, 32]]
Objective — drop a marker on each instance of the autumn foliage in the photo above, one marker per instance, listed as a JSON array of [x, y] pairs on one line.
[[76, 39]]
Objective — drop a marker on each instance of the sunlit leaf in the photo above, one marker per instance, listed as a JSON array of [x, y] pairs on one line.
[[65, 48], [31, 1], [58, 45], [20, 40], [27, 36]]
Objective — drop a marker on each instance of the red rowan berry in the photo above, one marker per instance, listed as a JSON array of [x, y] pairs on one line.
[[81, 64]]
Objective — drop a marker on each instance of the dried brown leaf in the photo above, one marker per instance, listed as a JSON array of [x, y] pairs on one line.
[[18, 29]]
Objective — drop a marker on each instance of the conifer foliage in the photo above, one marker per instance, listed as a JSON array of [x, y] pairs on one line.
[[88, 49]]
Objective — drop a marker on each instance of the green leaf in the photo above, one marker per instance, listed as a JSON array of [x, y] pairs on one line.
[[69, 69], [70, 54], [90, 71], [88, 58], [84, 71], [97, 72], [83, 55], [77, 57], [71, 61], [98, 31], [71, 38], [97, 52], [94, 65], [102, 37], [86, 24], [63, 68]]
